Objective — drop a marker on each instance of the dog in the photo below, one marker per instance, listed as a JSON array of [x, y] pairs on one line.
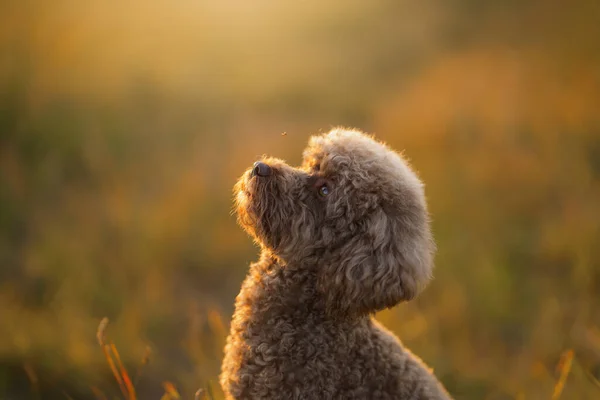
[[343, 236]]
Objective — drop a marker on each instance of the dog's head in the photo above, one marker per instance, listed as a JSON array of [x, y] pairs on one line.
[[354, 209]]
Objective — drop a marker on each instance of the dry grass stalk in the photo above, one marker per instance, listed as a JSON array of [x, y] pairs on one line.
[[120, 374], [123, 372], [171, 392], [101, 333], [563, 367]]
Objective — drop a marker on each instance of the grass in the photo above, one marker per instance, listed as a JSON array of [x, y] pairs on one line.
[[123, 378], [115, 187], [127, 385]]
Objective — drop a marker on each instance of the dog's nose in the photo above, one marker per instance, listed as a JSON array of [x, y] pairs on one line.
[[261, 169]]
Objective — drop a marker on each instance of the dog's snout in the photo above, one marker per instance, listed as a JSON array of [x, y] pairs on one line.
[[261, 169]]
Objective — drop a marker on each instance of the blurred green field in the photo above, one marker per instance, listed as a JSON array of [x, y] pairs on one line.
[[124, 125]]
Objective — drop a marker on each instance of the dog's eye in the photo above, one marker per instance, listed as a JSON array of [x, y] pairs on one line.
[[323, 191]]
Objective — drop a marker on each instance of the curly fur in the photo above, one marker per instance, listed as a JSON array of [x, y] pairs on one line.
[[302, 326]]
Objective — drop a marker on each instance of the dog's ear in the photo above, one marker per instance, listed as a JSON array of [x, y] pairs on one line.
[[389, 261]]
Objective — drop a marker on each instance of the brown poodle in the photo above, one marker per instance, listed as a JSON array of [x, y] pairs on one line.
[[342, 237]]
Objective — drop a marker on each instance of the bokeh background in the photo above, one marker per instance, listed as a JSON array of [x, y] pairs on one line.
[[124, 125]]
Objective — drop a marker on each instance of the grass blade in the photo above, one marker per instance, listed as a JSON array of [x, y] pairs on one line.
[[171, 392], [564, 367], [106, 348], [113, 368], [123, 372]]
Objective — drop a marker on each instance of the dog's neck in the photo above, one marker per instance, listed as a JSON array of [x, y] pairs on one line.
[[279, 280], [276, 288]]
